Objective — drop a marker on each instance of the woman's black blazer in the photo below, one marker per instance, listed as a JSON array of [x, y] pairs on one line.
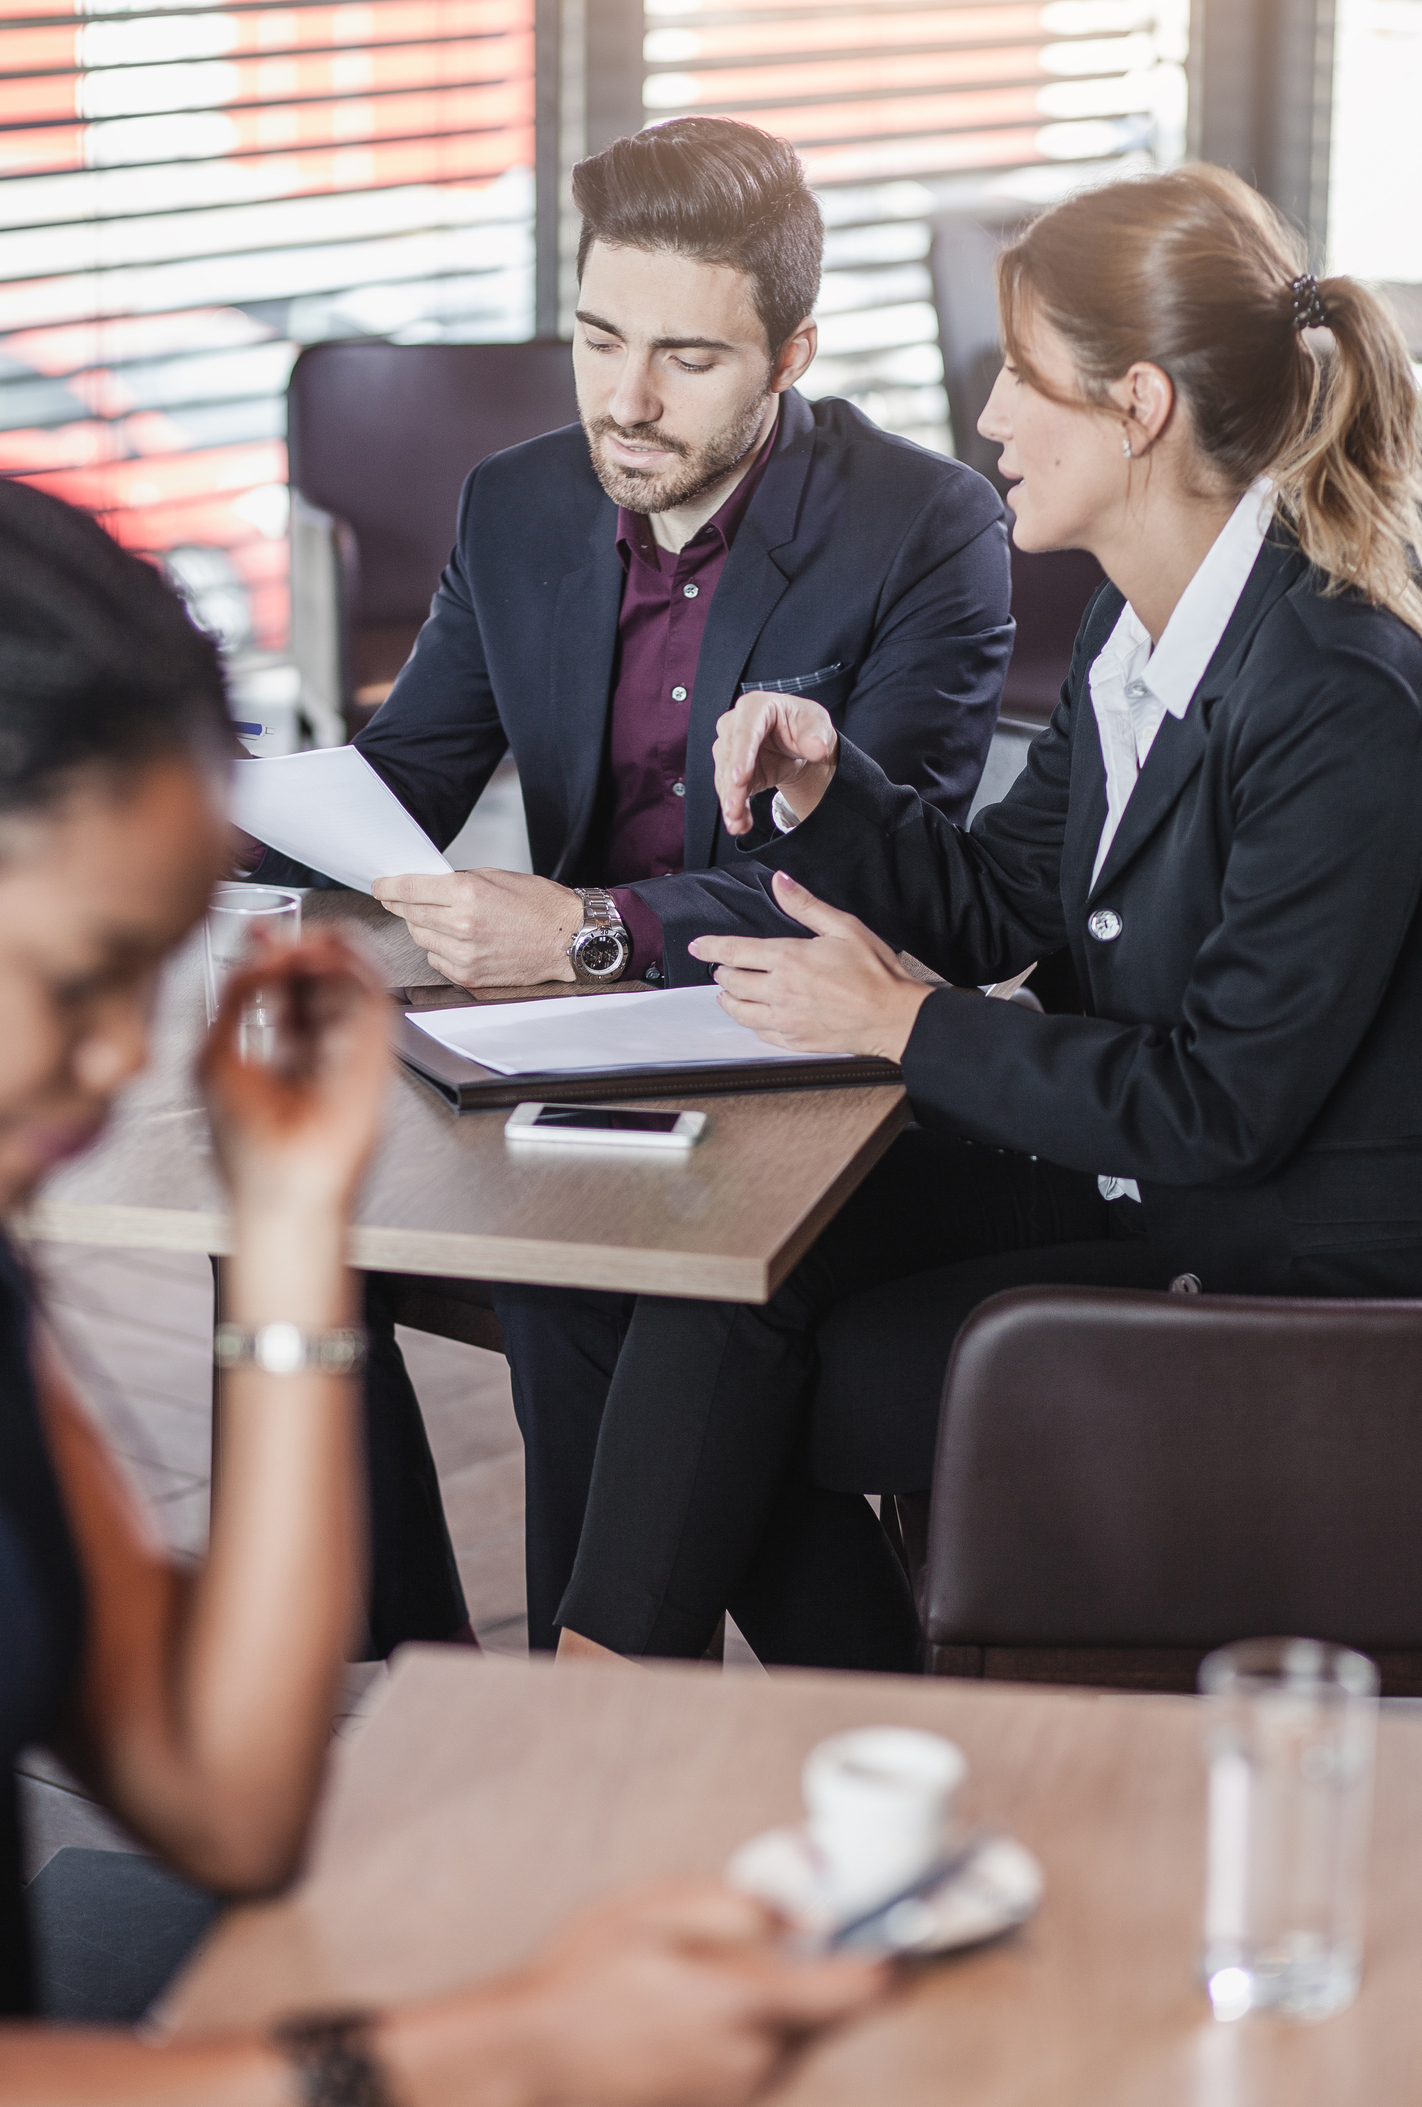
[[1251, 1051]]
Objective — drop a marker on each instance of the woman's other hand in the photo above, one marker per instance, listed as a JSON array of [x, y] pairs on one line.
[[773, 742], [677, 1994], [296, 1131], [843, 991]]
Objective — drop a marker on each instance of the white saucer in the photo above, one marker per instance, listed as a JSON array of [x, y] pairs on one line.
[[997, 1887]]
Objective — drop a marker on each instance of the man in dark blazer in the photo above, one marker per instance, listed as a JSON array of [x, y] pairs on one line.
[[704, 532]]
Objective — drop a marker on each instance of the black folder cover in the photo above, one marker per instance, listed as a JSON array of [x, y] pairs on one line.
[[470, 1088]]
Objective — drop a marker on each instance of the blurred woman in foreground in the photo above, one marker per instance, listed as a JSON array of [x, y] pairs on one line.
[[196, 1707], [1221, 824]]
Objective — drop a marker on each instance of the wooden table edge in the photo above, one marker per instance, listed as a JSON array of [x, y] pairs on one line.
[[534, 1262]]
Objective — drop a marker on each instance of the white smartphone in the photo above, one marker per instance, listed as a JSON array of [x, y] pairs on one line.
[[605, 1126]]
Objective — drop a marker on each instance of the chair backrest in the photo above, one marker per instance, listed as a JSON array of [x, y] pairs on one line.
[[1125, 1469], [383, 435], [1049, 590]]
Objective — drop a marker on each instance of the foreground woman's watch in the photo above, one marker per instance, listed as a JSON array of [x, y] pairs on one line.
[[285, 1349], [600, 950]]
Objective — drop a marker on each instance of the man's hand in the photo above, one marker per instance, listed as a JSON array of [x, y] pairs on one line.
[[488, 929], [773, 742], [843, 991]]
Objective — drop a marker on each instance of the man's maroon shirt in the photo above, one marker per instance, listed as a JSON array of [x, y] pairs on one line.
[[665, 604]]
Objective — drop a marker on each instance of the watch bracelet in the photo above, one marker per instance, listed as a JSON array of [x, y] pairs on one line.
[[339, 1351], [331, 2057]]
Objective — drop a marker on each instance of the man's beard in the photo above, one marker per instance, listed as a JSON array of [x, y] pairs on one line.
[[700, 468]]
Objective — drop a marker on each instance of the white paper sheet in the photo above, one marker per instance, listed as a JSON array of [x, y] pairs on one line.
[[678, 1028], [330, 809]]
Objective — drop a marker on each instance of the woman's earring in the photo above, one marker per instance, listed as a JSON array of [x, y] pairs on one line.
[[1126, 445]]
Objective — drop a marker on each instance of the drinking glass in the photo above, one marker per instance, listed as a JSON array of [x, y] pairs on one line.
[[1290, 1748], [234, 915]]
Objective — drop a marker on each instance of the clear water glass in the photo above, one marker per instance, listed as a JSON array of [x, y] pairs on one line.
[[234, 916], [1290, 1747]]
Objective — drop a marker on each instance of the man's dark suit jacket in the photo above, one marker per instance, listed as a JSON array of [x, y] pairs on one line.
[[1252, 1048], [867, 573]]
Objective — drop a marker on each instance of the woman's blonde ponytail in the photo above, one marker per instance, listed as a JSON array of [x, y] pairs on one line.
[[1350, 486]]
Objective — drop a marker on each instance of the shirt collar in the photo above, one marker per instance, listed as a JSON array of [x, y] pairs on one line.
[[634, 529], [1177, 665]]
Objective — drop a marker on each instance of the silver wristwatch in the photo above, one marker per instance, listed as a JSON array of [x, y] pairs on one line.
[[600, 950]]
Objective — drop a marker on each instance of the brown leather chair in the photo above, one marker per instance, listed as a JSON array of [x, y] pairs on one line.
[[1049, 591], [1126, 1480], [380, 438]]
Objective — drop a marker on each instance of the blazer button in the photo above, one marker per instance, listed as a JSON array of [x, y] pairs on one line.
[[1105, 925], [1187, 1284]]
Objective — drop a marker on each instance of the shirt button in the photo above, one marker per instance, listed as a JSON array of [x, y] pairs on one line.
[[1105, 925], [691, 591], [678, 790], [1136, 690], [1186, 1284], [678, 694]]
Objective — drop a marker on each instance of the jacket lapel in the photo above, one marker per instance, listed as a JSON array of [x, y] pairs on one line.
[[749, 588], [583, 649], [1179, 745]]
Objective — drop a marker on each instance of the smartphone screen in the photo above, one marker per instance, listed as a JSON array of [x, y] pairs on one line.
[[603, 1118]]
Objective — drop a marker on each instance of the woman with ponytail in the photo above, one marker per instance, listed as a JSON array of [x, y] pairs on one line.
[[1222, 825]]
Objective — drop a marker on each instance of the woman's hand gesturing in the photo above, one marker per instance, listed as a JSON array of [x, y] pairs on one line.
[[843, 991], [295, 1132], [773, 742]]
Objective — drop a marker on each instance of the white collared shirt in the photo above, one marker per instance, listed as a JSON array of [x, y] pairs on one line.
[[1133, 686]]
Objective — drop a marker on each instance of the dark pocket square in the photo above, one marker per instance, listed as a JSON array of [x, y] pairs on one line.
[[794, 684]]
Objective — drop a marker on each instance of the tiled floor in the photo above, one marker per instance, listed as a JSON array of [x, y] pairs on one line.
[[137, 1329]]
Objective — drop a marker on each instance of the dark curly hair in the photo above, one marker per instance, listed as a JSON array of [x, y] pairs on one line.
[[101, 667], [719, 191]]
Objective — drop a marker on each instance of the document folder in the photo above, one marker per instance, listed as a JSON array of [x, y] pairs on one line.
[[469, 1087]]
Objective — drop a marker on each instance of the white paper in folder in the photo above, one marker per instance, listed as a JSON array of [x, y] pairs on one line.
[[678, 1028], [329, 809]]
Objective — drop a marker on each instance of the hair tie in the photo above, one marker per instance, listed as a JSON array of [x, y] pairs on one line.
[[1309, 310]]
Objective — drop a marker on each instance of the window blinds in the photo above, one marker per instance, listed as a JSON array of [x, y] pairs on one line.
[[909, 107], [190, 193]]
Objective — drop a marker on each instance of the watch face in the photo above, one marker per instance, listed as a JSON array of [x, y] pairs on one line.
[[601, 952]]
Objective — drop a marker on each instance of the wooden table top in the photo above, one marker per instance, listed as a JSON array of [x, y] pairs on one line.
[[484, 1799], [446, 1197]]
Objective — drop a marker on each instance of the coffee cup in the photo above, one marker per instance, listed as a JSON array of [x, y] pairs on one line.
[[878, 1803]]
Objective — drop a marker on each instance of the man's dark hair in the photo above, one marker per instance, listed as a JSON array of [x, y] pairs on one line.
[[716, 190], [101, 666]]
